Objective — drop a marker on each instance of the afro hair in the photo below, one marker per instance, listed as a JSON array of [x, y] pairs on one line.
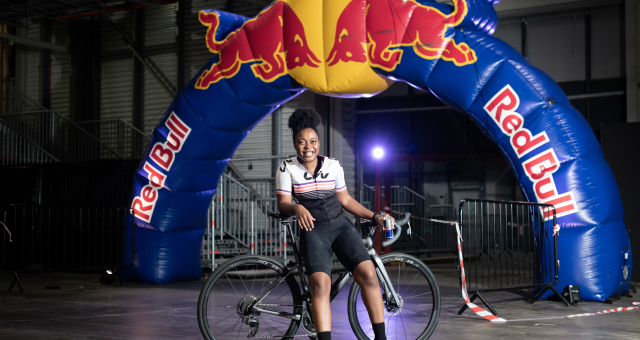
[[304, 118]]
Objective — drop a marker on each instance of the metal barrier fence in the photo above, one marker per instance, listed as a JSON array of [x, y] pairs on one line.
[[508, 245], [428, 237], [238, 222], [45, 137], [49, 238]]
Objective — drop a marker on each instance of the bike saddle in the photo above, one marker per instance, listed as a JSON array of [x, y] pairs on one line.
[[282, 217]]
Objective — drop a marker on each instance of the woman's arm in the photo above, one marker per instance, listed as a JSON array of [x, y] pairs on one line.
[[354, 207], [351, 205], [305, 220]]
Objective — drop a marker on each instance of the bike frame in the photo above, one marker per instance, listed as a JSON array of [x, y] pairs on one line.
[[389, 293]]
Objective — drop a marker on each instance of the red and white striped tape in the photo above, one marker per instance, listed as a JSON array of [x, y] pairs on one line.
[[475, 308], [483, 313], [608, 311]]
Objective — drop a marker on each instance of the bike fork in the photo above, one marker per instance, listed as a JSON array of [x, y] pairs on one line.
[[384, 279]]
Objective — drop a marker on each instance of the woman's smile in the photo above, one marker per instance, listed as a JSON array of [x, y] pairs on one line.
[[307, 145]]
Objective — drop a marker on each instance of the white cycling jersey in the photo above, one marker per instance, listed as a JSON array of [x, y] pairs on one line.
[[316, 193]]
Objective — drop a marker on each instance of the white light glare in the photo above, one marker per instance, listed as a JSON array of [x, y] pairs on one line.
[[378, 153]]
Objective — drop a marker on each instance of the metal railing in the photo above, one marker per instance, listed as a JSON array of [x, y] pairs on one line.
[[117, 135], [16, 101], [50, 238], [46, 136], [238, 222], [508, 245], [32, 134]]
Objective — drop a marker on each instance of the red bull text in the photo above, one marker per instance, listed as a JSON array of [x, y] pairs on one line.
[[540, 168], [163, 155]]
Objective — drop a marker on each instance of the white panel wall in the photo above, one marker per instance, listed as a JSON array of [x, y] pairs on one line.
[[159, 31], [116, 76], [605, 32], [28, 77], [511, 33], [159, 24], [155, 99], [557, 47], [116, 90], [111, 41], [258, 143], [60, 71]]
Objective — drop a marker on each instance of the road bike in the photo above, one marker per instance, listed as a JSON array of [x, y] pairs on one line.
[[258, 297]]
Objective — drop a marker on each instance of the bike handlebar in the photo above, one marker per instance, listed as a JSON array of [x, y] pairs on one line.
[[398, 225]]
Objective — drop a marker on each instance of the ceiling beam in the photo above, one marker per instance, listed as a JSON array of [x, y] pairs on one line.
[[34, 43], [521, 8]]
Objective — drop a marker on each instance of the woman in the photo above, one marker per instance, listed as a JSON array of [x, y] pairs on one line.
[[317, 184]]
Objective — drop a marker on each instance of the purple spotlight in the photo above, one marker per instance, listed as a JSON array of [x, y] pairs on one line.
[[378, 153]]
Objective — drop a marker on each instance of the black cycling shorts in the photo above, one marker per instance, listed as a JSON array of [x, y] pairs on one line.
[[341, 237]]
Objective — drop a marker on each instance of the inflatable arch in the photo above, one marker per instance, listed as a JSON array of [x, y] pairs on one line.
[[351, 48]]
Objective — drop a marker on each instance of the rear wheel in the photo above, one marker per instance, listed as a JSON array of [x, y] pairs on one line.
[[416, 286], [227, 302]]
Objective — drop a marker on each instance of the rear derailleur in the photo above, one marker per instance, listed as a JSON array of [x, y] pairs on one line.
[[248, 314]]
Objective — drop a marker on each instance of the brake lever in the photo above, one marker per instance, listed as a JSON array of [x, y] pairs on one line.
[[409, 229]]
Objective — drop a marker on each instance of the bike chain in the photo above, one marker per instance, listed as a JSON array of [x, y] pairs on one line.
[[282, 336]]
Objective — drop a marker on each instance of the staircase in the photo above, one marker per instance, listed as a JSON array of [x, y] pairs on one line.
[[38, 136]]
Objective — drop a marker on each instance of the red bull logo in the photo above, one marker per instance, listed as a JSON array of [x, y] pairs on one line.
[[391, 24], [261, 41], [367, 32]]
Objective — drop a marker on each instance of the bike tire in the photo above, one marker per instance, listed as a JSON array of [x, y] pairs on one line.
[[226, 301], [415, 305]]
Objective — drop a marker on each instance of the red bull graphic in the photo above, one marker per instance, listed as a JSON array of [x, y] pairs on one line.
[[351, 35], [370, 32], [392, 24], [395, 23], [262, 42]]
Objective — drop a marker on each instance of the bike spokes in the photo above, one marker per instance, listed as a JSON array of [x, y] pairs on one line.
[[413, 315], [234, 309]]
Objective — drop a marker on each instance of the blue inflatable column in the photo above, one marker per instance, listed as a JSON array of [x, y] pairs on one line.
[[190, 148]]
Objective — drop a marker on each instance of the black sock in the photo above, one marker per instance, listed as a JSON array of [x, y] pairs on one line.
[[324, 335], [378, 330]]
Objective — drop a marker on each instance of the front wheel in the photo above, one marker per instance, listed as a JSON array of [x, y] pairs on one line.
[[416, 286], [229, 305]]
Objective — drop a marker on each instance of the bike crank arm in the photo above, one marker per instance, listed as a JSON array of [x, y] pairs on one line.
[[277, 313], [385, 280]]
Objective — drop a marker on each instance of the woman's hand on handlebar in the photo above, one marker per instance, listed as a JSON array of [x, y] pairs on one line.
[[380, 220], [305, 220]]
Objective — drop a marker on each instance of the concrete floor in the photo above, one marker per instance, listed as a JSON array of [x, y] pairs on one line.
[[83, 309]]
